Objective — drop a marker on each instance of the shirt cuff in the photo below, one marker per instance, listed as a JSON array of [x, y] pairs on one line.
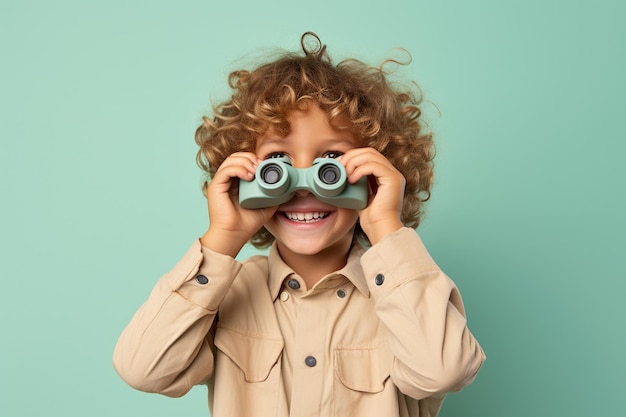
[[206, 276], [397, 259]]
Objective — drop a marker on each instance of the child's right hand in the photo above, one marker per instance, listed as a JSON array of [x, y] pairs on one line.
[[230, 225]]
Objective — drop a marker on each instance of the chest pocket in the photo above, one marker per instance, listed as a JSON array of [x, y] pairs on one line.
[[247, 374], [364, 369], [362, 385], [254, 356]]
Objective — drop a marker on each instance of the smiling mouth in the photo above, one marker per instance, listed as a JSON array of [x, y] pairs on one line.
[[310, 217]]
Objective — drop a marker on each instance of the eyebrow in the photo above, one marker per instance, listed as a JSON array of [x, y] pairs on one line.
[[341, 140], [331, 141]]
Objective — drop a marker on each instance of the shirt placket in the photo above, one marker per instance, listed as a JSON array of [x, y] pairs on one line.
[[310, 360]]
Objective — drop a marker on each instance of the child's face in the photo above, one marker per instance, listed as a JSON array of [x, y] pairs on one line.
[[305, 225]]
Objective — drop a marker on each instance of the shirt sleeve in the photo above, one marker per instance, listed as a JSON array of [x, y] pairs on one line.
[[434, 351], [167, 347]]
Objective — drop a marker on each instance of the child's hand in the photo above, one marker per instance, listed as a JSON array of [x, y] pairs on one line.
[[382, 215], [230, 225]]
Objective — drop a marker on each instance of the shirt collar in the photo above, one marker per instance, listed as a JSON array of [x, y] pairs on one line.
[[279, 270]]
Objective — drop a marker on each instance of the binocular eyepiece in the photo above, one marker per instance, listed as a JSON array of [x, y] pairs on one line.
[[329, 174], [276, 182], [271, 174]]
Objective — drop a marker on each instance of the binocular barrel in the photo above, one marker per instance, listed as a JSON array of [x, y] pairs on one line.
[[276, 181], [326, 178]]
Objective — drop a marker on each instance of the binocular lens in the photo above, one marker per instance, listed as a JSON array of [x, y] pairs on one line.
[[329, 174], [271, 174]]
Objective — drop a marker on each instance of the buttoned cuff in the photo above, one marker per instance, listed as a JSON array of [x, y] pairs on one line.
[[397, 259], [203, 277]]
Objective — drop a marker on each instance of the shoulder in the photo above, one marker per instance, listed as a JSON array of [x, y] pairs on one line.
[[255, 262], [254, 270], [248, 298]]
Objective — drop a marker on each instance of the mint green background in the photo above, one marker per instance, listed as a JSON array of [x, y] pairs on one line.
[[100, 192]]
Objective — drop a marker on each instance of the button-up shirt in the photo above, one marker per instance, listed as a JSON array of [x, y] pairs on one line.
[[384, 336]]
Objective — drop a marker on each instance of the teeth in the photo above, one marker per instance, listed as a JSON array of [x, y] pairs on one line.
[[309, 217]]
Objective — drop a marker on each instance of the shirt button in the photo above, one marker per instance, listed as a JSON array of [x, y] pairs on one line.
[[293, 284], [284, 296], [310, 361], [380, 278], [201, 279], [341, 293]]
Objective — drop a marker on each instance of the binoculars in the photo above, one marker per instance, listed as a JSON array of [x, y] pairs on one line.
[[276, 182]]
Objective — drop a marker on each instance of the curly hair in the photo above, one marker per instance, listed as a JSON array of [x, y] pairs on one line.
[[382, 116]]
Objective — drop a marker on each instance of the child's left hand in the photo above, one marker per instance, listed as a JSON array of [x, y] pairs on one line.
[[382, 215]]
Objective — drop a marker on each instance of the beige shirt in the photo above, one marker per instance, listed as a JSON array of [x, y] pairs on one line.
[[384, 336]]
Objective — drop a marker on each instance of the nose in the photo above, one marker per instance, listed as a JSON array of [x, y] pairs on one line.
[[302, 162]]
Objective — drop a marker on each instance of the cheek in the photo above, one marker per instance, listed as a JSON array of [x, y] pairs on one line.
[[270, 225], [348, 217]]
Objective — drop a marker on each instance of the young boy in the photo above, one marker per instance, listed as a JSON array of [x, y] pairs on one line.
[[348, 315]]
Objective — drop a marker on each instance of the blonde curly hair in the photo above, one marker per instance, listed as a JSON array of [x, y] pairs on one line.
[[383, 117]]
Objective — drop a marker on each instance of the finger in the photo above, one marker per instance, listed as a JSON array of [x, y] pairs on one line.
[[248, 160], [368, 161], [225, 175], [381, 171], [237, 166], [361, 156]]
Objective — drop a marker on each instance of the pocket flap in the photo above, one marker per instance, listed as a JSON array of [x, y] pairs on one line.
[[364, 369], [255, 356]]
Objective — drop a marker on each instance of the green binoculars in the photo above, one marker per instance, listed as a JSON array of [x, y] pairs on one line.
[[276, 182]]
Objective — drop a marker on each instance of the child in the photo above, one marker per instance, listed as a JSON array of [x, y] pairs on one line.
[[348, 315]]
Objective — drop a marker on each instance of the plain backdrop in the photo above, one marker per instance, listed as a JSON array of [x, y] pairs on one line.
[[100, 194]]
